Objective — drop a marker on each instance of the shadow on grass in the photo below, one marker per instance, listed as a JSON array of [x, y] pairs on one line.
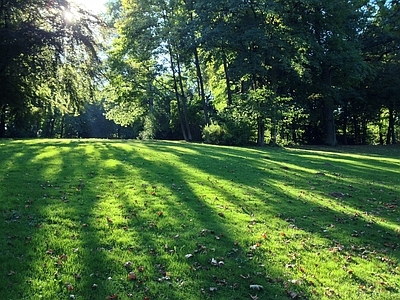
[[84, 216], [59, 240]]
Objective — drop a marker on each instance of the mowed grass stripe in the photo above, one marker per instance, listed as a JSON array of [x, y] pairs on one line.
[[107, 219]]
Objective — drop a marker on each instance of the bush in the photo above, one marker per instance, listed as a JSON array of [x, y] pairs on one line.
[[214, 134], [229, 133]]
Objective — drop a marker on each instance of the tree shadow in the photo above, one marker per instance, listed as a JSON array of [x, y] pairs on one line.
[[226, 215], [69, 246]]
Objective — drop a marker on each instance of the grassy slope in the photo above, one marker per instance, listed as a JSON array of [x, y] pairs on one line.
[[108, 219]]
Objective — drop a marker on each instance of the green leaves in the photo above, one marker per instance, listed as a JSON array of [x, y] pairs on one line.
[[47, 63]]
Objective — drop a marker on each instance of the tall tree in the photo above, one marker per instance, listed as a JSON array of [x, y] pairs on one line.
[[330, 30], [40, 41], [381, 41]]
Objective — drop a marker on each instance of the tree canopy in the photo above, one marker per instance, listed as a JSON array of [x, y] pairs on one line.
[[229, 72], [48, 62]]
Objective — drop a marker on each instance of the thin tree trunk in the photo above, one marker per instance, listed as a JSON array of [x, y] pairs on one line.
[[3, 122], [228, 80], [199, 75], [274, 129], [274, 117], [345, 142], [293, 128], [184, 104], [172, 65], [62, 126], [394, 139], [391, 135], [260, 132], [381, 141], [364, 131], [260, 119], [201, 86]]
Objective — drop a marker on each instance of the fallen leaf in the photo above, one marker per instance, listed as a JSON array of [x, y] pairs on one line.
[[293, 295], [295, 281], [131, 276], [63, 257], [255, 246], [256, 287]]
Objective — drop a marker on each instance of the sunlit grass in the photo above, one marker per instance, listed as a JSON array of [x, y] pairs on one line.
[[95, 219]]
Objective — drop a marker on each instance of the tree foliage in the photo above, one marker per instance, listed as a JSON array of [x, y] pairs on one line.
[[227, 72], [48, 60]]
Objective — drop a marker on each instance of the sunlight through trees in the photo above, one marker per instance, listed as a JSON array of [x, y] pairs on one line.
[[226, 72]]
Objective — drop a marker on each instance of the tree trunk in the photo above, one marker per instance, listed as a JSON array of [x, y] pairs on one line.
[[274, 128], [364, 131], [391, 134], [184, 104], [228, 80], [329, 122], [201, 86], [293, 128], [381, 141], [345, 142], [3, 122], [356, 130], [62, 126], [172, 65], [328, 109], [260, 132]]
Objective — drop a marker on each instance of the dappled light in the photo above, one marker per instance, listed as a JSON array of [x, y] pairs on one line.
[[172, 220]]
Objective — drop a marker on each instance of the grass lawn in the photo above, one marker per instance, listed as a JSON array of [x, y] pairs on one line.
[[99, 219]]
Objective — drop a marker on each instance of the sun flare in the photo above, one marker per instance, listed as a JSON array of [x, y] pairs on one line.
[[95, 6], [70, 16]]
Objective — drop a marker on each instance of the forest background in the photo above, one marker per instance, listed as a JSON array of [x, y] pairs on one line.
[[233, 72]]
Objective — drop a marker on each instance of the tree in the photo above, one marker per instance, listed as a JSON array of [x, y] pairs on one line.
[[381, 41], [265, 64], [250, 43], [332, 51], [39, 45]]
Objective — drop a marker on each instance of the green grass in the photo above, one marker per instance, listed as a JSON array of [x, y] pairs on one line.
[[101, 219]]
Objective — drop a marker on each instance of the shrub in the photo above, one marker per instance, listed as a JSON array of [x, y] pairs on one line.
[[229, 133]]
